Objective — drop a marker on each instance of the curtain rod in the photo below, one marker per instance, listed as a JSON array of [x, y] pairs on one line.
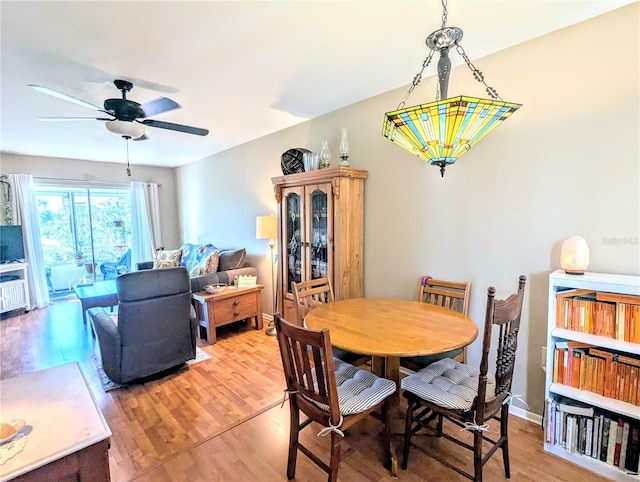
[[87, 181]]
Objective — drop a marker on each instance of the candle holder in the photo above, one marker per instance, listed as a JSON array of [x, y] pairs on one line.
[[344, 149], [325, 155]]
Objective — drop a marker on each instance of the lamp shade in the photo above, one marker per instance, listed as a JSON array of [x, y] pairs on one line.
[[440, 132], [266, 227], [574, 255], [127, 129]]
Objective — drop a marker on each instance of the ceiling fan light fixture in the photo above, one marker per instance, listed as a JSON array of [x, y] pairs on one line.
[[126, 129]]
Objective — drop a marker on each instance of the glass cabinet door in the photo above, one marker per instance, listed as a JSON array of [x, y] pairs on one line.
[[293, 238], [319, 234]]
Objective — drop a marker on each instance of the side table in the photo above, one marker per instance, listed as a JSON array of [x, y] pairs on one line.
[[230, 305]]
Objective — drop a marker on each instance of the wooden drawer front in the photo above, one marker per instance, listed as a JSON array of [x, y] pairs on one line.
[[236, 308]]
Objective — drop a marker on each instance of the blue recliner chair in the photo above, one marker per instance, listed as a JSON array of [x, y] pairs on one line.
[[111, 270], [154, 329]]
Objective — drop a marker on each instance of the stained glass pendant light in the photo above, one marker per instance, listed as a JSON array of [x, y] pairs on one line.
[[440, 132]]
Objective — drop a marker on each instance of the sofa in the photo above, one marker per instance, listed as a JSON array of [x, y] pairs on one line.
[[153, 330], [206, 264]]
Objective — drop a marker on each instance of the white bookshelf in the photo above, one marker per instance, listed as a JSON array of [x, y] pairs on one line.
[[610, 283]]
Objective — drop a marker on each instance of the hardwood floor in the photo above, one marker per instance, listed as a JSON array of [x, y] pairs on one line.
[[221, 420]]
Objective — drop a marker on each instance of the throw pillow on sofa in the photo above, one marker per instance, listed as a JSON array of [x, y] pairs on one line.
[[167, 259], [207, 264], [198, 258], [231, 259]]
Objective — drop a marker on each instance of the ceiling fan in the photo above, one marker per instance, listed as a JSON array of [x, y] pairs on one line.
[[128, 118]]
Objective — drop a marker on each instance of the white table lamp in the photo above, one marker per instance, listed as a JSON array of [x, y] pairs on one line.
[[574, 255]]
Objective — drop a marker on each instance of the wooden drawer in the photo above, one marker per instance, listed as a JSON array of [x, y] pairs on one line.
[[235, 308]]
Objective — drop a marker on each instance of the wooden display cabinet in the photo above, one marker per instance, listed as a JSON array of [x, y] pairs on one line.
[[320, 232]]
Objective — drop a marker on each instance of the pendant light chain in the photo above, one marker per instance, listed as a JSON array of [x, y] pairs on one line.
[[426, 62], [416, 79], [445, 14], [477, 74]]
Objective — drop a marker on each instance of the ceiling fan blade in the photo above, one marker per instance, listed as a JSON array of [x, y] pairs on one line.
[[60, 95], [175, 127], [159, 106], [143, 137], [62, 119]]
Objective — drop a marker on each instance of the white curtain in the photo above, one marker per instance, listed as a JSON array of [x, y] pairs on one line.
[[26, 214], [145, 222]]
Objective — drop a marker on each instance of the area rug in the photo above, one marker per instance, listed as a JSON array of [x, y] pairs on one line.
[[201, 356], [108, 384]]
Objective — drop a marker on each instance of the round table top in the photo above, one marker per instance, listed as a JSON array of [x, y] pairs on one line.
[[391, 327]]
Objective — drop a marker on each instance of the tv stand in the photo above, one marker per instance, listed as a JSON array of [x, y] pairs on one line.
[[14, 287]]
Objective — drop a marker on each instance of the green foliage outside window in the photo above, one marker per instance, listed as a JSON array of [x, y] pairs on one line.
[[68, 227]]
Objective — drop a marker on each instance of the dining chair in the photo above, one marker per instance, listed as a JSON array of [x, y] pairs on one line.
[[452, 295], [328, 391], [309, 294], [312, 293], [466, 396]]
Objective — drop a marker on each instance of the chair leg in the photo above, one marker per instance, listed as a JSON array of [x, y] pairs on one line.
[[294, 431], [407, 436], [504, 434], [477, 455], [439, 425], [336, 445], [390, 453]]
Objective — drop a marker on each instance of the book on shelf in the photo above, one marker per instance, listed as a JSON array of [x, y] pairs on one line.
[[618, 442], [568, 405], [586, 367], [597, 436], [570, 441], [591, 432], [633, 449], [617, 297], [604, 443], [623, 446], [589, 437], [611, 441], [606, 314]]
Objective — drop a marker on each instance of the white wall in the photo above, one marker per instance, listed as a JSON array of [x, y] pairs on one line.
[[566, 163], [56, 168]]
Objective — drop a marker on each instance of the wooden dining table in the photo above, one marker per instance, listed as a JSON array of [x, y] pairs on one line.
[[389, 329]]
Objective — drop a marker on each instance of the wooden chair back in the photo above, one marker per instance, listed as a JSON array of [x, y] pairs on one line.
[[504, 317], [448, 294], [309, 294], [452, 295], [309, 371]]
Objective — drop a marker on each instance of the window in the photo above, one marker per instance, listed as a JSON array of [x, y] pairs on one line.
[[81, 228]]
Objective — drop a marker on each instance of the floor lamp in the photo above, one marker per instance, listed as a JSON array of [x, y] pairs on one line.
[[266, 228]]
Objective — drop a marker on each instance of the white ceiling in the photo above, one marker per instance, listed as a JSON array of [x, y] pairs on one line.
[[240, 69]]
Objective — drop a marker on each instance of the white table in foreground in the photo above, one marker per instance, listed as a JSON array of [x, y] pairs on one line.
[[68, 438]]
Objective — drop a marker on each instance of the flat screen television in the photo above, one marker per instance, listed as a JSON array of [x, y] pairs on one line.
[[11, 244]]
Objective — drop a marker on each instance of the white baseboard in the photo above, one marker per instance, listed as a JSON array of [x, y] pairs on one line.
[[527, 415]]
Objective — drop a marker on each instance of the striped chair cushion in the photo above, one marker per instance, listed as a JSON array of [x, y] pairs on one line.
[[358, 390], [448, 384]]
